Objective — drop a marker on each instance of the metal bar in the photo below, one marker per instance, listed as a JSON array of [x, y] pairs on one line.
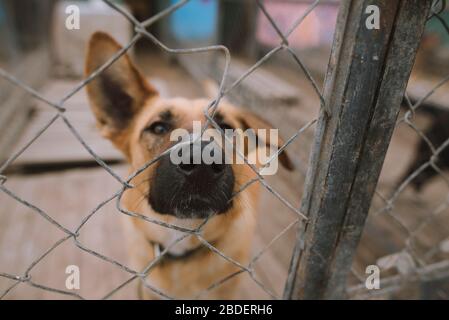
[[365, 83]]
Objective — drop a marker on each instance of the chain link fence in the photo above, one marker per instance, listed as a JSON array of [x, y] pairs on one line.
[[141, 32], [303, 220]]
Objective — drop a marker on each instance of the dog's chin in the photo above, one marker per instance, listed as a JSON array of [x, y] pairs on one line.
[[190, 207], [200, 210]]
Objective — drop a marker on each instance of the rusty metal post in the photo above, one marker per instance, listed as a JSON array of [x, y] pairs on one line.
[[365, 82]]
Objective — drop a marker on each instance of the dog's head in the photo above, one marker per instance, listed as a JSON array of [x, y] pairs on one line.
[[139, 122]]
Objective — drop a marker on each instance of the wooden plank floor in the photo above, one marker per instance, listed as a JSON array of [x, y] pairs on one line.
[[67, 197]]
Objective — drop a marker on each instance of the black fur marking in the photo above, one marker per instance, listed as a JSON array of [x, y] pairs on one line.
[[219, 119], [437, 133], [166, 116], [119, 104]]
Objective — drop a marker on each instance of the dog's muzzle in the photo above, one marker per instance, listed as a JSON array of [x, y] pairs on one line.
[[192, 188]]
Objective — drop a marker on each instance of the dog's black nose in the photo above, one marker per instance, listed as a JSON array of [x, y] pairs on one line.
[[196, 166], [215, 169]]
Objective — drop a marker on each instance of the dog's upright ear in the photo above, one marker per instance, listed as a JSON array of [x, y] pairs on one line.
[[250, 120], [117, 93]]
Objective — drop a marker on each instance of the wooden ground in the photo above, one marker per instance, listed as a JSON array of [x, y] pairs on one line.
[[70, 195]]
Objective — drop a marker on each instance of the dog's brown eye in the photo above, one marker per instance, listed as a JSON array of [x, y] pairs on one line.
[[158, 128]]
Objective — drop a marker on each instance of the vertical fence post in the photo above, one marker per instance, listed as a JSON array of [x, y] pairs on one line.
[[365, 82]]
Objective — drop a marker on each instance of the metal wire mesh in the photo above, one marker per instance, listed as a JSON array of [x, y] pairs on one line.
[[419, 260], [411, 265], [141, 32]]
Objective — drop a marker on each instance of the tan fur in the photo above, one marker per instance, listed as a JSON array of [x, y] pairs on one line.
[[231, 233]]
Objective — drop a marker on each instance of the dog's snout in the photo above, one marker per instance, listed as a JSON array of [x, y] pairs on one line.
[[199, 185]]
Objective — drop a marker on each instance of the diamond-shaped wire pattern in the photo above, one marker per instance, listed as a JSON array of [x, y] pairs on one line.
[[141, 32]]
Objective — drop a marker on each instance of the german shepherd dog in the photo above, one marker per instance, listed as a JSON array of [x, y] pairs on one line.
[[130, 113]]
